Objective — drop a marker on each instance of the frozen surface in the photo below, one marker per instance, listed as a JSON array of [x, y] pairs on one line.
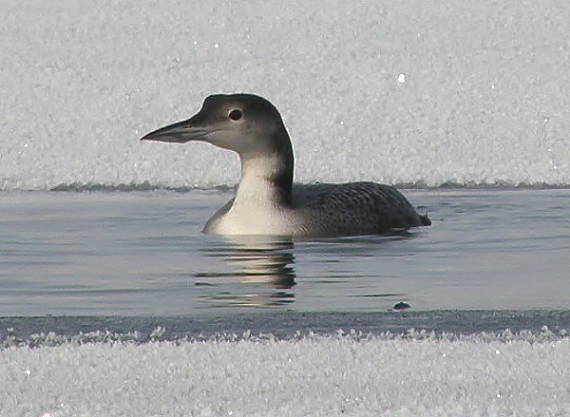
[[414, 374], [408, 92], [286, 325], [442, 363]]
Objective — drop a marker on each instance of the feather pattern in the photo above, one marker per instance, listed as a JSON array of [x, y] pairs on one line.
[[355, 208]]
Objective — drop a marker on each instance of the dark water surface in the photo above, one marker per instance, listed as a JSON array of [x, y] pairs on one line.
[[142, 254]]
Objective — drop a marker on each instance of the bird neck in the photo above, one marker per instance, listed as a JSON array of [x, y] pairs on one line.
[[266, 178]]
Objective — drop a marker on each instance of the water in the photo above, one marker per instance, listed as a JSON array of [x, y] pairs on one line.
[[142, 254]]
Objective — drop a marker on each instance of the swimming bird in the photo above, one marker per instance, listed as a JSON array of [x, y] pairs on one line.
[[266, 202]]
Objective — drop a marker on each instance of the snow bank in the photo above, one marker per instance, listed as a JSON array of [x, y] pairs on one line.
[[407, 92], [479, 375]]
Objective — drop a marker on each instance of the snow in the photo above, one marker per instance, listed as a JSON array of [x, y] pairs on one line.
[[413, 374], [402, 93]]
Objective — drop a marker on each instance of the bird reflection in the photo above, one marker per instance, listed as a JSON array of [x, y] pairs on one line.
[[261, 268]]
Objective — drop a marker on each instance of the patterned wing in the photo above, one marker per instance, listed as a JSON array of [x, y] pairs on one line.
[[361, 207]]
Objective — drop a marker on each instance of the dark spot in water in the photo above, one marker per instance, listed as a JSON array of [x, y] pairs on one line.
[[401, 306]]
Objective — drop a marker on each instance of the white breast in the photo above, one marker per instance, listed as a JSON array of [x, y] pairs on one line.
[[241, 220]]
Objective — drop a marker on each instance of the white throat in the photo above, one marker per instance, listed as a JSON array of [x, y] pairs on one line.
[[261, 204], [259, 185]]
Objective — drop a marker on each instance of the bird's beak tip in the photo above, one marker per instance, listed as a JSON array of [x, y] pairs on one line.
[[180, 132]]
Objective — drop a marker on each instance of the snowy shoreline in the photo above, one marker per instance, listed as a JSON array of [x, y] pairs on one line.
[[316, 375], [445, 325]]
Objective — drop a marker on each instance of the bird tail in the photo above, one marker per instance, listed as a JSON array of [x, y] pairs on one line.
[[425, 220]]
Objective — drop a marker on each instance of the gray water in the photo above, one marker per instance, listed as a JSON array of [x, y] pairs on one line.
[[142, 254]]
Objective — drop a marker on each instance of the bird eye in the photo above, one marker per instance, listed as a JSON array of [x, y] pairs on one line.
[[235, 114]]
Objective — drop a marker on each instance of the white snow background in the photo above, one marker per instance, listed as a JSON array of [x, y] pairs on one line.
[[411, 375], [412, 92]]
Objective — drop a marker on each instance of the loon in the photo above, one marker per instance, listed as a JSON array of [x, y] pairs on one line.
[[265, 202]]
